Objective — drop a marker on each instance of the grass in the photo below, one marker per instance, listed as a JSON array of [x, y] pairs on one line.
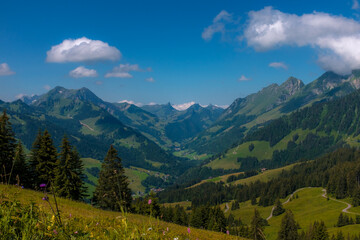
[[135, 177], [81, 221], [308, 207], [261, 151], [264, 176]]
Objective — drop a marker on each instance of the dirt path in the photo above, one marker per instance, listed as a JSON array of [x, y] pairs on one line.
[[348, 205], [86, 126], [227, 207], [288, 200]]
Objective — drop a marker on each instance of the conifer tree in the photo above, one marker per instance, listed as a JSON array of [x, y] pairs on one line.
[[278, 208], [112, 191], [34, 160], [46, 159], [69, 173], [257, 227], [288, 229], [7, 146], [20, 166]]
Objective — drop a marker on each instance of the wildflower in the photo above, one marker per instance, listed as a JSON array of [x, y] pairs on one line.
[[45, 198], [167, 229], [76, 232], [149, 229], [164, 233], [43, 185], [22, 187], [188, 230], [97, 224], [55, 232], [149, 201], [70, 215], [227, 232]]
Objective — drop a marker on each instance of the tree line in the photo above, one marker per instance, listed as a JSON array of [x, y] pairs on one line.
[[60, 172]]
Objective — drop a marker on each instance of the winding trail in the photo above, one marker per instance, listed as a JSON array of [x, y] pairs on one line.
[[345, 210], [227, 207], [86, 126], [288, 200]]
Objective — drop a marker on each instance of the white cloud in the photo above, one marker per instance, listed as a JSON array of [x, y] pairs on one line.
[[182, 107], [47, 87], [131, 102], [355, 5], [82, 50], [278, 65], [336, 38], [5, 70], [150, 79], [122, 71], [152, 103], [218, 25], [81, 72], [243, 78]]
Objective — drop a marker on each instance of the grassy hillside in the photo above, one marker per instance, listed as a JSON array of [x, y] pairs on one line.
[[135, 175], [307, 205], [262, 149], [311, 206], [81, 221]]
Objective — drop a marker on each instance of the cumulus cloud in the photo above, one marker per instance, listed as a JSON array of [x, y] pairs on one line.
[[218, 25], [5, 70], [278, 65], [131, 102], [182, 107], [150, 79], [82, 50], [337, 38], [355, 5], [82, 71], [243, 78], [122, 71]]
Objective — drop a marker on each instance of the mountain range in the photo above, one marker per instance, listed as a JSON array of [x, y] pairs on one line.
[[152, 136]]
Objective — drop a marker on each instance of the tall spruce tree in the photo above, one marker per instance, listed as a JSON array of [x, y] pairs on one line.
[[34, 160], [69, 173], [288, 228], [20, 167], [7, 147], [112, 191], [46, 159], [257, 227]]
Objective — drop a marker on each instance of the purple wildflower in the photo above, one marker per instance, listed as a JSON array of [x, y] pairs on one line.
[[22, 187], [227, 232], [188, 230], [76, 232], [43, 185], [45, 198], [55, 232], [149, 201]]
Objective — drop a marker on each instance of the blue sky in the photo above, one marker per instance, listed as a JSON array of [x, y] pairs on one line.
[[172, 51]]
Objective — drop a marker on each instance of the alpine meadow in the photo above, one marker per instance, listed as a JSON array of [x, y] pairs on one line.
[[181, 120]]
